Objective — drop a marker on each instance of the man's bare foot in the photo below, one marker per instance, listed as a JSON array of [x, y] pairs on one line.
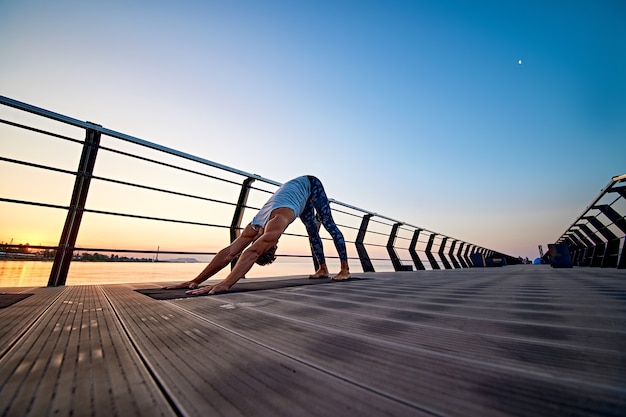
[[319, 276], [341, 276], [320, 273]]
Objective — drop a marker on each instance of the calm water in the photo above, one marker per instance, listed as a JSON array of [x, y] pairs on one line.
[[36, 273]]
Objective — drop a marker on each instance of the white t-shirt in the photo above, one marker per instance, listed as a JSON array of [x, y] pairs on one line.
[[293, 194]]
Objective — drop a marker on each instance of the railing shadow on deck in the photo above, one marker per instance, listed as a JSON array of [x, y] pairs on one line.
[[145, 199]]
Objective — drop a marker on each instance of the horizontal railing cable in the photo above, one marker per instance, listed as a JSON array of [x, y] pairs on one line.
[[161, 190], [165, 164], [43, 132], [33, 203], [167, 150], [372, 225], [162, 219], [34, 165]]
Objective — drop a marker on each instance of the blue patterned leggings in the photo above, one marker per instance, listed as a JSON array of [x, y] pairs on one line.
[[318, 202]]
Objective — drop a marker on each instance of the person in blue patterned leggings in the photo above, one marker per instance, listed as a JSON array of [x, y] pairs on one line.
[[318, 202], [300, 197]]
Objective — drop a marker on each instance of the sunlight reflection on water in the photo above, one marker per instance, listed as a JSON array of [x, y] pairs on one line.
[[36, 273]]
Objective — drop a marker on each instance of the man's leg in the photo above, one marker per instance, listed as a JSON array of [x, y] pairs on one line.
[[310, 222], [322, 206]]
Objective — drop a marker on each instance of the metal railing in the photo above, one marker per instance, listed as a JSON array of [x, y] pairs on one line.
[[597, 237], [183, 199]]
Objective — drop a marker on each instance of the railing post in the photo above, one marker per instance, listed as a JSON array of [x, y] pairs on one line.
[[459, 255], [611, 252], [620, 223], [395, 260], [621, 190], [235, 225], [65, 251], [587, 252], [452, 255], [613, 216], [599, 248], [466, 255], [429, 253], [442, 255], [577, 248], [366, 263], [572, 249], [416, 259]]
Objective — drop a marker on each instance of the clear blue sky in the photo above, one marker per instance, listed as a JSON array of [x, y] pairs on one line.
[[418, 110]]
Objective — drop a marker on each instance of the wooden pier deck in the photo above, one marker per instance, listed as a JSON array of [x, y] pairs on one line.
[[512, 341]]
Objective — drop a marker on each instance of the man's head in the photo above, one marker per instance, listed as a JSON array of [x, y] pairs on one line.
[[267, 257]]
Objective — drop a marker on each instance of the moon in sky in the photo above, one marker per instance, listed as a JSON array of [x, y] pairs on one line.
[[519, 62]]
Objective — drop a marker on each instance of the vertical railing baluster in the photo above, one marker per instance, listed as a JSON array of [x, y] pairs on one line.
[[366, 263], [622, 258], [416, 259], [395, 259], [619, 222], [455, 263], [587, 246], [611, 252], [599, 246], [235, 225], [466, 255], [459, 255], [67, 242], [442, 256], [429, 253]]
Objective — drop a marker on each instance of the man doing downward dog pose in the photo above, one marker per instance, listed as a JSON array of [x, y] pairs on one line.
[[300, 197]]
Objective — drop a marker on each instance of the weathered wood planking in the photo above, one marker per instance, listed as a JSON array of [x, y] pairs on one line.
[[518, 340], [76, 360], [15, 320], [411, 338], [209, 370]]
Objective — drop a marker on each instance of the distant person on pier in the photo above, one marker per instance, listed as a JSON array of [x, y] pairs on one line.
[[299, 197]]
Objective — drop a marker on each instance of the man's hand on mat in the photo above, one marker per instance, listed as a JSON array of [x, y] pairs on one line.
[[192, 285], [210, 289]]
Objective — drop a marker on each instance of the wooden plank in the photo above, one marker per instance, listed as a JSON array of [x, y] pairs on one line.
[[524, 344], [377, 334], [210, 371], [16, 319], [527, 341], [76, 360]]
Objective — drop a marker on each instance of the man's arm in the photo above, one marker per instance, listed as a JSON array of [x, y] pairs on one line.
[[221, 259], [280, 219]]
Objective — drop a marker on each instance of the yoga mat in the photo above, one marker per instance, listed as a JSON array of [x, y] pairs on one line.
[[10, 299], [243, 286]]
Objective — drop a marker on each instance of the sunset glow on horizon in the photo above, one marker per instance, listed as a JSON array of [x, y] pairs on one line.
[[492, 122]]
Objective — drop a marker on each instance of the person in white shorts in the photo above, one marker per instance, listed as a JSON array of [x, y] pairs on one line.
[[301, 197]]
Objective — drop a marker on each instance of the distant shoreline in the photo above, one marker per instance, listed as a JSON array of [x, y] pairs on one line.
[[177, 261]]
